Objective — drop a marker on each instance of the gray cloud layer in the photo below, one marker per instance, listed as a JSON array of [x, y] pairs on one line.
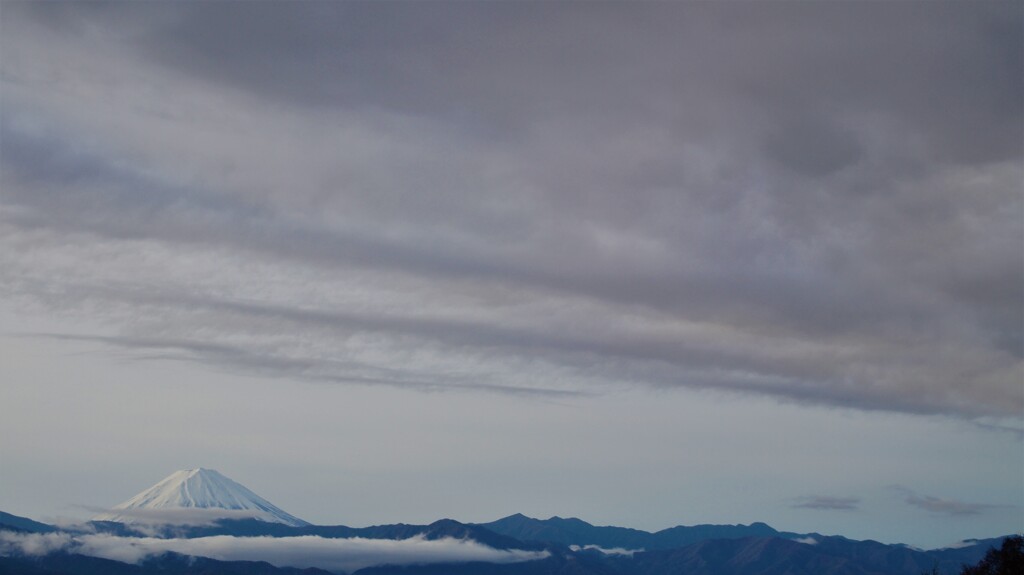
[[307, 551], [817, 202]]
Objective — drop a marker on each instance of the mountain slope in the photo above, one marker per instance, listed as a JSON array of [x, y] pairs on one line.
[[191, 489], [755, 556], [24, 524], [748, 556], [167, 564], [777, 556]]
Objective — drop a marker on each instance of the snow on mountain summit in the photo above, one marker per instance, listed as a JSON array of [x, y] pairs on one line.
[[197, 493]]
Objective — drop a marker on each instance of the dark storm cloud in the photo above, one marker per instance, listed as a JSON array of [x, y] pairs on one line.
[[948, 68], [813, 148], [827, 502], [816, 201], [952, 67]]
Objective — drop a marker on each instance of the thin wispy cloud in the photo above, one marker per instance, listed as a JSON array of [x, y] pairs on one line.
[[270, 363], [826, 502], [940, 506]]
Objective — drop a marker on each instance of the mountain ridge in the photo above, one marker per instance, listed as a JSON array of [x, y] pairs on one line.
[[574, 531], [779, 554]]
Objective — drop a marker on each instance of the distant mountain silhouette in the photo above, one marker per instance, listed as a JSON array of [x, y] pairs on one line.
[[775, 556], [574, 531], [755, 549]]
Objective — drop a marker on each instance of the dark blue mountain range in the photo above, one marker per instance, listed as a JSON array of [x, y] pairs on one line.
[[572, 546]]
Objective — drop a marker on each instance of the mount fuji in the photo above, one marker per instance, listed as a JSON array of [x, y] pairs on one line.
[[197, 494]]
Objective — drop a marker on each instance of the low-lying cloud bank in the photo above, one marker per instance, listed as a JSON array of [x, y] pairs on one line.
[[607, 551], [186, 516], [306, 551]]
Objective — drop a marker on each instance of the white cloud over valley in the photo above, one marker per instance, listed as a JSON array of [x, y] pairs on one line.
[[305, 551]]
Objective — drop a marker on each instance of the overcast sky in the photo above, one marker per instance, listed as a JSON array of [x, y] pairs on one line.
[[642, 263]]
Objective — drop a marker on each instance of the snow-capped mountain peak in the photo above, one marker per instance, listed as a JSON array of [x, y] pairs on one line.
[[182, 495]]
